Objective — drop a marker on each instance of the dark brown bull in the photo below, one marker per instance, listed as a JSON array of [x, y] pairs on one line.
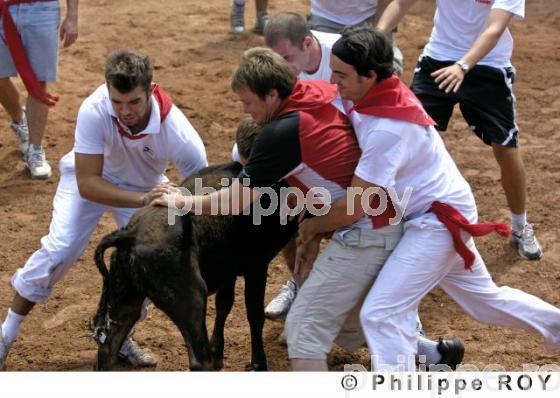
[[178, 266]]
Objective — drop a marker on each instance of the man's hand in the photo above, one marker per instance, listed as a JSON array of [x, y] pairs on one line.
[[305, 257], [69, 31], [306, 230], [449, 78], [166, 195]]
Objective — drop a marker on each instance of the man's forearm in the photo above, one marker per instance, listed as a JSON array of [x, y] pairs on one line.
[[72, 9], [393, 14], [99, 190]]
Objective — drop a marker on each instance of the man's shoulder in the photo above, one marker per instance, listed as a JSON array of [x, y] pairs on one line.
[[327, 39], [96, 100]]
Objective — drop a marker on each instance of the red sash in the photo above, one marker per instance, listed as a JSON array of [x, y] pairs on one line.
[[21, 62], [455, 222]]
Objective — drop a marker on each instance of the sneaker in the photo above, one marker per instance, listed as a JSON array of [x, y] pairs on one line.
[[262, 20], [526, 243], [132, 354], [37, 163], [22, 133], [280, 305], [4, 349], [237, 18], [452, 352]]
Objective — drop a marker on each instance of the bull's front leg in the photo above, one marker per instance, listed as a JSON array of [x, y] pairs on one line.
[[225, 296], [255, 285]]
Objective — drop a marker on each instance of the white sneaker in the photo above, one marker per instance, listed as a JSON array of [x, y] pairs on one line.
[[526, 243], [260, 23], [4, 349], [280, 305], [131, 353], [237, 18], [22, 133], [37, 164]]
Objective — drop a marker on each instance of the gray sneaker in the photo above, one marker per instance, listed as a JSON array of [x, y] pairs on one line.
[[260, 23], [237, 18], [37, 164], [526, 243], [4, 349], [22, 133], [280, 305], [132, 354]]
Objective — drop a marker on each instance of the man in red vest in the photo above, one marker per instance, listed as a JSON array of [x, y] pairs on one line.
[[29, 47], [127, 132]]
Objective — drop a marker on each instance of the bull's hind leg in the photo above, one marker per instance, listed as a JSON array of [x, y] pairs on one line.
[[185, 304], [123, 314], [225, 297], [255, 285]]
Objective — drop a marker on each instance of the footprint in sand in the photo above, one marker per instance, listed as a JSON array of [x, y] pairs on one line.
[[64, 315]]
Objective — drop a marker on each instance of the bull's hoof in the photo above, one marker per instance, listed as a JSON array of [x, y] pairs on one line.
[[256, 367], [218, 364]]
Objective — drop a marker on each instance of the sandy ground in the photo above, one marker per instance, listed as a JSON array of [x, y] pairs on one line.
[[194, 54]]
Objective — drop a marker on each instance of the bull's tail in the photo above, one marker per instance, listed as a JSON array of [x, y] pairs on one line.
[[119, 239]]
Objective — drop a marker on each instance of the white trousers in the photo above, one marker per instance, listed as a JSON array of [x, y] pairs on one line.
[[423, 259], [73, 221]]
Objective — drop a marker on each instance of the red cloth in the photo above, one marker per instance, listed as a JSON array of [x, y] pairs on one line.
[[455, 222], [164, 102], [392, 99], [23, 67], [306, 96]]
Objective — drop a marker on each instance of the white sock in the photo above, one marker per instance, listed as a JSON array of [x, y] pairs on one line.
[[10, 327], [428, 348], [518, 221]]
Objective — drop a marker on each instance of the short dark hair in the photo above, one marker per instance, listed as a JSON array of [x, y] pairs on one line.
[[286, 25], [125, 70], [245, 136], [262, 70], [369, 49]]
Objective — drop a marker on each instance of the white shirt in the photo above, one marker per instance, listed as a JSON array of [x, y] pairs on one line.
[[458, 23], [344, 12], [405, 155], [136, 164], [326, 41]]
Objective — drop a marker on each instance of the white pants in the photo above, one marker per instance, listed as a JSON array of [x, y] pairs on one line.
[[73, 222], [424, 259]]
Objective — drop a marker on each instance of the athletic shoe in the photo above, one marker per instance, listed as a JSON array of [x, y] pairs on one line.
[[262, 20], [452, 352], [37, 164], [526, 243], [237, 18], [280, 305], [22, 133], [132, 354], [4, 349]]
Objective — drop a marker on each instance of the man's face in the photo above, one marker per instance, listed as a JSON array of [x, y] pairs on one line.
[[259, 109], [133, 108], [297, 56], [351, 86]]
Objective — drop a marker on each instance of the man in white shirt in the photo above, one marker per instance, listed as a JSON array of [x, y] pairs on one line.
[[127, 132], [467, 61], [403, 153]]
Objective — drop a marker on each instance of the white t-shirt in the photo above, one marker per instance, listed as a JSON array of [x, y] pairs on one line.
[[136, 164], [405, 155], [458, 23], [344, 12], [326, 41]]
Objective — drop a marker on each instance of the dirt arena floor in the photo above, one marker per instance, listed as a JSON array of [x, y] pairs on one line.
[[194, 54]]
